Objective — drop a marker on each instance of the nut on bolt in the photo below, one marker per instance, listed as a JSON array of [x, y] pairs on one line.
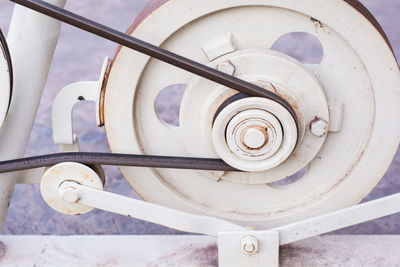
[[249, 244], [319, 127], [226, 67]]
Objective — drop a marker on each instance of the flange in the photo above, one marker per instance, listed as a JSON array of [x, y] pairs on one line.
[[6, 78], [275, 72], [358, 71], [62, 199]]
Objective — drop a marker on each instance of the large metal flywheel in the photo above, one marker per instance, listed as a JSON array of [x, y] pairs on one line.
[[338, 147]]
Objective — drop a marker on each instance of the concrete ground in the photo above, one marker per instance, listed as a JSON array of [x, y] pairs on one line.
[[79, 57]]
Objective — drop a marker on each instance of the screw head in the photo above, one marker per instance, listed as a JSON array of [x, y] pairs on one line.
[[249, 244], [319, 127], [226, 67]]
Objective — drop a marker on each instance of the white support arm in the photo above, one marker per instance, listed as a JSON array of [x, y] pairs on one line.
[[339, 219], [212, 226], [150, 212]]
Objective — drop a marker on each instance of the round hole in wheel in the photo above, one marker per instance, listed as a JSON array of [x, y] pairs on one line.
[[168, 104], [302, 46], [343, 165]]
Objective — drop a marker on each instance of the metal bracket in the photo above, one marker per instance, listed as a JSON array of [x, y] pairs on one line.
[[64, 104]]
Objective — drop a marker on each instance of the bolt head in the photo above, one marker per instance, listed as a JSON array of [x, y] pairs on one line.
[[319, 127], [226, 67], [69, 194], [249, 245]]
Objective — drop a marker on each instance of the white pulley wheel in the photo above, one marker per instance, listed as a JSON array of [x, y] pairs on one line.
[[5, 78], [339, 166], [55, 176], [254, 134]]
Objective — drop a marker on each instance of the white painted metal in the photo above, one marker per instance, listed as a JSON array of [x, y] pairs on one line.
[[64, 103], [32, 39], [336, 111], [319, 127], [226, 67], [58, 193], [92, 197], [232, 251], [219, 46], [254, 138], [96, 198], [240, 248], [339, 219], [189, 250], [254, 65], [358, 69], [5, 84], [73, 188], [228, 129]]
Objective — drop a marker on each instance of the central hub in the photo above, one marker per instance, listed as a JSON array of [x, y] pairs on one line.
[[254, 137], [254, 134]]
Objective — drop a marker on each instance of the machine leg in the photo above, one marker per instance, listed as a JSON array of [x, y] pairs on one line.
[[32, 39]]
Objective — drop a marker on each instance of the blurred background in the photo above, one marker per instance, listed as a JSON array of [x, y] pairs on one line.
[[79, 57]]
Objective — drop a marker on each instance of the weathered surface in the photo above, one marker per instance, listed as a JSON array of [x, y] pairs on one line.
[[188, 251], [79, 57]]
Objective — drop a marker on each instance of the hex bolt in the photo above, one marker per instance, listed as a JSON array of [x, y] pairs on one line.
[[68, 194], [319, 127], [226, 67], [249, 244]]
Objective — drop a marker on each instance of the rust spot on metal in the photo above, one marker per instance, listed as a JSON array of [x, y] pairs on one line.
[[317, 23], [150, 8], [103, 93], [285, 96], [262, 129]]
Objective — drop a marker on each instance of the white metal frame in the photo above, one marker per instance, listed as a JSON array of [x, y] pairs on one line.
[[237, 246], [32, 39]]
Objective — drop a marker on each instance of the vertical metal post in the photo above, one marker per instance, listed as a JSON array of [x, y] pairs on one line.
[[32, 40]]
